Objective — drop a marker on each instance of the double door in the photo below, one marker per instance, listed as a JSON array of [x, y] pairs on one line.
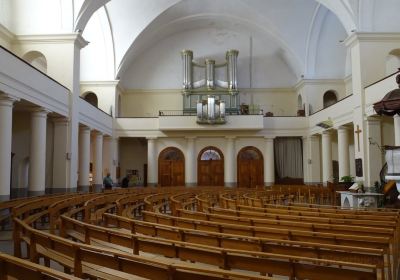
[[171, 173], [210, 173], [250, 173]]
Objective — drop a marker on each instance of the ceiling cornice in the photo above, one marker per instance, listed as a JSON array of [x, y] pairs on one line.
[[52, 38], [372, 37], [5, 33]]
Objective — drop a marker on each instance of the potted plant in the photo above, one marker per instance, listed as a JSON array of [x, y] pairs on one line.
[[347, 180]]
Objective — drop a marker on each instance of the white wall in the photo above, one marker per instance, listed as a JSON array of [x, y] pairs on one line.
[[132, 155]]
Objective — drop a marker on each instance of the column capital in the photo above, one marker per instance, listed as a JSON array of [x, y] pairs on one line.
[[326, 132], [230, 137], [151, 138], [190, 138], [269, 139], [98, 133], [343, 128], [396, 116], [60, 120], [7, 100], [84, 128], [39, 112]]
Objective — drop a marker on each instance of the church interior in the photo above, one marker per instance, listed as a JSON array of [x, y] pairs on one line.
[[200, 139]]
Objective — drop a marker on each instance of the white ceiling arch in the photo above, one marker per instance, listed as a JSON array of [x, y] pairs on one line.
[[88, 8]]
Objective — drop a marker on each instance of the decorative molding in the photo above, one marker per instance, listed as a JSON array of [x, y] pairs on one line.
[[52, 39], [7, 34], [371, 37], [313, 82], [112, 83]]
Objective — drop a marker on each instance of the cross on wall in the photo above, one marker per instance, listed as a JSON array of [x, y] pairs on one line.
[[358, 131]]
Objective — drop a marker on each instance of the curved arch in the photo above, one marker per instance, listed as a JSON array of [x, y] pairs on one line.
[[154, 32], [91, 98], [330, 97], [171, 153], [171, 167], [36, 59], [210, 153], [250, 167], [343, 11], [88, 8], [210, 167]]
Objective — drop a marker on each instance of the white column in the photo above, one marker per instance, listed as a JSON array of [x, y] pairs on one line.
[[61, 156], [190, 162], [327, 171], [230, 163], [269, 162], [37, 160], [98, 162], [343, 151], [306, 178], [374, 154], [314, 160], [152, 167], [6, 110], [84, 158], [396, 119], [108, 164]]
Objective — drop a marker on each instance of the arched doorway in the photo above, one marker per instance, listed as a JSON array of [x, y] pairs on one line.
[[250, 168], [171, 167], [210, 167]]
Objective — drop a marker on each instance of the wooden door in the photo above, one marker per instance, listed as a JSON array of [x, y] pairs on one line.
[[210, 167], [171, 167], [250, 168]]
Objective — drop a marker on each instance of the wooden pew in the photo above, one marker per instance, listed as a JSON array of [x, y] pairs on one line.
[[231, 241], [275, 264], [16, 268]]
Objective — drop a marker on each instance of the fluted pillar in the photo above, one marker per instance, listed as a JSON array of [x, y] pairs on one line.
[[84, 158], [6, 110], [61, 156], [190, 162], [396, 119], [98, 162], [152, 168], [327, 171], [343, 151], [37, 164], [230, 163], [269, 162]]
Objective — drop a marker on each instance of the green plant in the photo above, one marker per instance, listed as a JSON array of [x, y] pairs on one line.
[[347, 179]]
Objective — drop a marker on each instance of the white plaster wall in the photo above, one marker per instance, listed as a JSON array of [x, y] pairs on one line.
[[97, 58], [105, 92], [313, 91], [160, 67], [147, 103], [59, 67], [331, 53], [386, 16], [132, 155], [42, 16], [5, 13]]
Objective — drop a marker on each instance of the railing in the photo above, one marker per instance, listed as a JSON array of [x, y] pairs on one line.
[[347, 96], [180, 113]]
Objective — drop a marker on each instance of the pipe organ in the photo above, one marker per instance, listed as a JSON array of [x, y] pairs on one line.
[[209, 97]]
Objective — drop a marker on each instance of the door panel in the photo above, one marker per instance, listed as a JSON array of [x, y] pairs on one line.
[[171, 167], [250, 170]]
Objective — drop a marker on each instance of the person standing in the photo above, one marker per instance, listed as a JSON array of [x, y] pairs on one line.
[[125, 181], [108, 182]]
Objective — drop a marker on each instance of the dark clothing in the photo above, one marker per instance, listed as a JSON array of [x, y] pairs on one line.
[[108, 183], [125, 182]]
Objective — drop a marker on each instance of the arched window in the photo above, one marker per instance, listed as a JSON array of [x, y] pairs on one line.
[[330, 98], [210, 154], [37, 60], [91, 97]]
